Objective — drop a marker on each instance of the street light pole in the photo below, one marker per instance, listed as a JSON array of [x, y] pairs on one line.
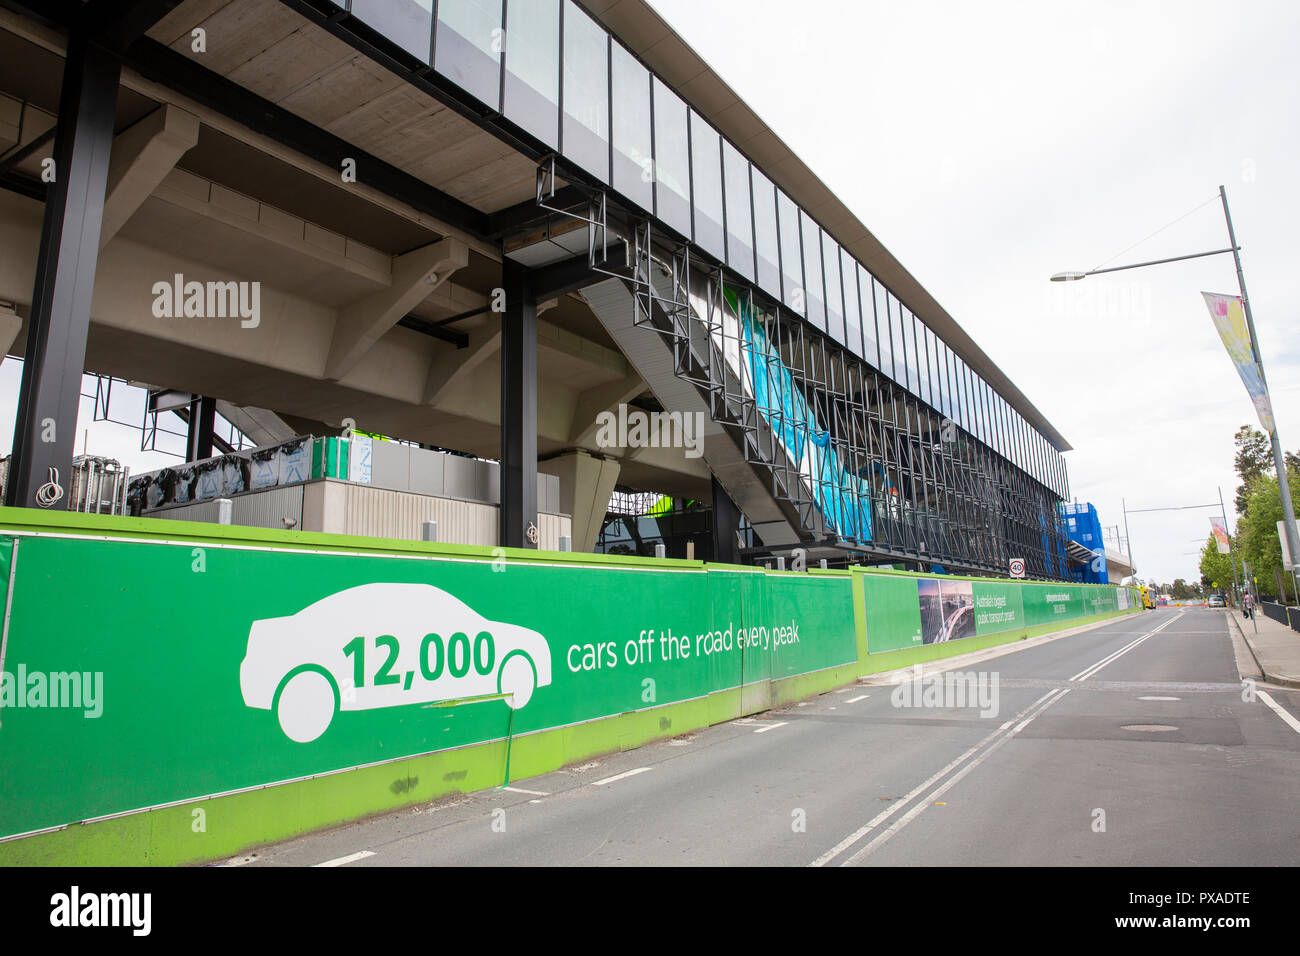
[[1279, 459]]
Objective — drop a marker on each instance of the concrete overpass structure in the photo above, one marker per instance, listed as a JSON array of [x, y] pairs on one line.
[[429, 253]]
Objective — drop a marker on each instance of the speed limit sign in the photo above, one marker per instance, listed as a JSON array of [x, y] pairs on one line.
[[1017, 567]]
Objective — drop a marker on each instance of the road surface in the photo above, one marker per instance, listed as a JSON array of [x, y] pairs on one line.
[[1126, 745]]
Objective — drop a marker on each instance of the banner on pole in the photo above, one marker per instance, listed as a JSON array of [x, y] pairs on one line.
[[1286, 552], [1220, 534], [1230, 319]]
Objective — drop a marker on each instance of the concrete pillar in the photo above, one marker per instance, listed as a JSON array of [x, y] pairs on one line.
[[586, 483]]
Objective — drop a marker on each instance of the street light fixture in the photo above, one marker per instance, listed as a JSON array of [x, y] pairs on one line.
[[1076, 276], [1279, 460]]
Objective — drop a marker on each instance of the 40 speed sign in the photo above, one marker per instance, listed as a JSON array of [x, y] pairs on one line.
[[1017, 567]]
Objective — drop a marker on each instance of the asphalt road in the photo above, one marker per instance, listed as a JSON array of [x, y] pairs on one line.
[[1129, 744]]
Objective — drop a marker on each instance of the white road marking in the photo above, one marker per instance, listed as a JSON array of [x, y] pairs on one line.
[[1006, 725], [854, 700], [1109, 658], [350, 858], [951, 782], [880, 818], [1159, 698], [763, 730], [1280, 711], [622, 776], [531, 793]]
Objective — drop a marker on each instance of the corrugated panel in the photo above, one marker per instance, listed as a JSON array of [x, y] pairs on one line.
[[376, 512], [379, 513], [258, 509]]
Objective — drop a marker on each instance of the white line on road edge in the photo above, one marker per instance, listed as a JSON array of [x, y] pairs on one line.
[[763, 730], [880, 818], [1110, 658], [1280, 711], [531, 793], [350, 858], [854, 700], [622, 776]]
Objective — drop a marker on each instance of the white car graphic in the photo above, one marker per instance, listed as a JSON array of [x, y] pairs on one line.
[[385, 645]]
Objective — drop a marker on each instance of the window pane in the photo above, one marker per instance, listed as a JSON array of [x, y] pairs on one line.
[[408, 23], [766, 238], [852, 308], [468, 51], [532, 95], [923, 359], [633, 168], [812, 271], [884, 328], [898, 342], [791, 255], [869, 351], [740, 223], [963, 419], [706, 177], [918, 354], [586, 92], [834, 293], [672, 160]]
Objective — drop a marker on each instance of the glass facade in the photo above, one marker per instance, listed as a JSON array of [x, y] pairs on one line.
[[532, 54], [792, 290], [812, 271], [767, 240], [706, 187], [834, 291], [852, 305], [740, 217], [633, 172], [408, 23], [672, 161], [467, 50], [585, 135]]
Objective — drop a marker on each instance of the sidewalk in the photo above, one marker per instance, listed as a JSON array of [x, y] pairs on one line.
[[1276, 647]]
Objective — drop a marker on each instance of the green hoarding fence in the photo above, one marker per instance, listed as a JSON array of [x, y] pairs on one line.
[[907, 611], [148, 664]]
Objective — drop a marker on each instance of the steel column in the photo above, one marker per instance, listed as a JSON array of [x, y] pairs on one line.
[[518, 526], [46, 424], [202, 428]]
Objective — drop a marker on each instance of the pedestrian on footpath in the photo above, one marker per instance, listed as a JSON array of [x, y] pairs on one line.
[[1248, 604]]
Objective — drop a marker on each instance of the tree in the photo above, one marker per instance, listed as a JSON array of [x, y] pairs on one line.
[[1254, 458], [1179, 590], [1257, 531], [1216, 569]]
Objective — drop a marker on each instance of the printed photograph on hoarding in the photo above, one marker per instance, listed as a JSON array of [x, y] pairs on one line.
[[947, 610]]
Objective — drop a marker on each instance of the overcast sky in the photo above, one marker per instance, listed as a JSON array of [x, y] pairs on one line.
[[990, 145]]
